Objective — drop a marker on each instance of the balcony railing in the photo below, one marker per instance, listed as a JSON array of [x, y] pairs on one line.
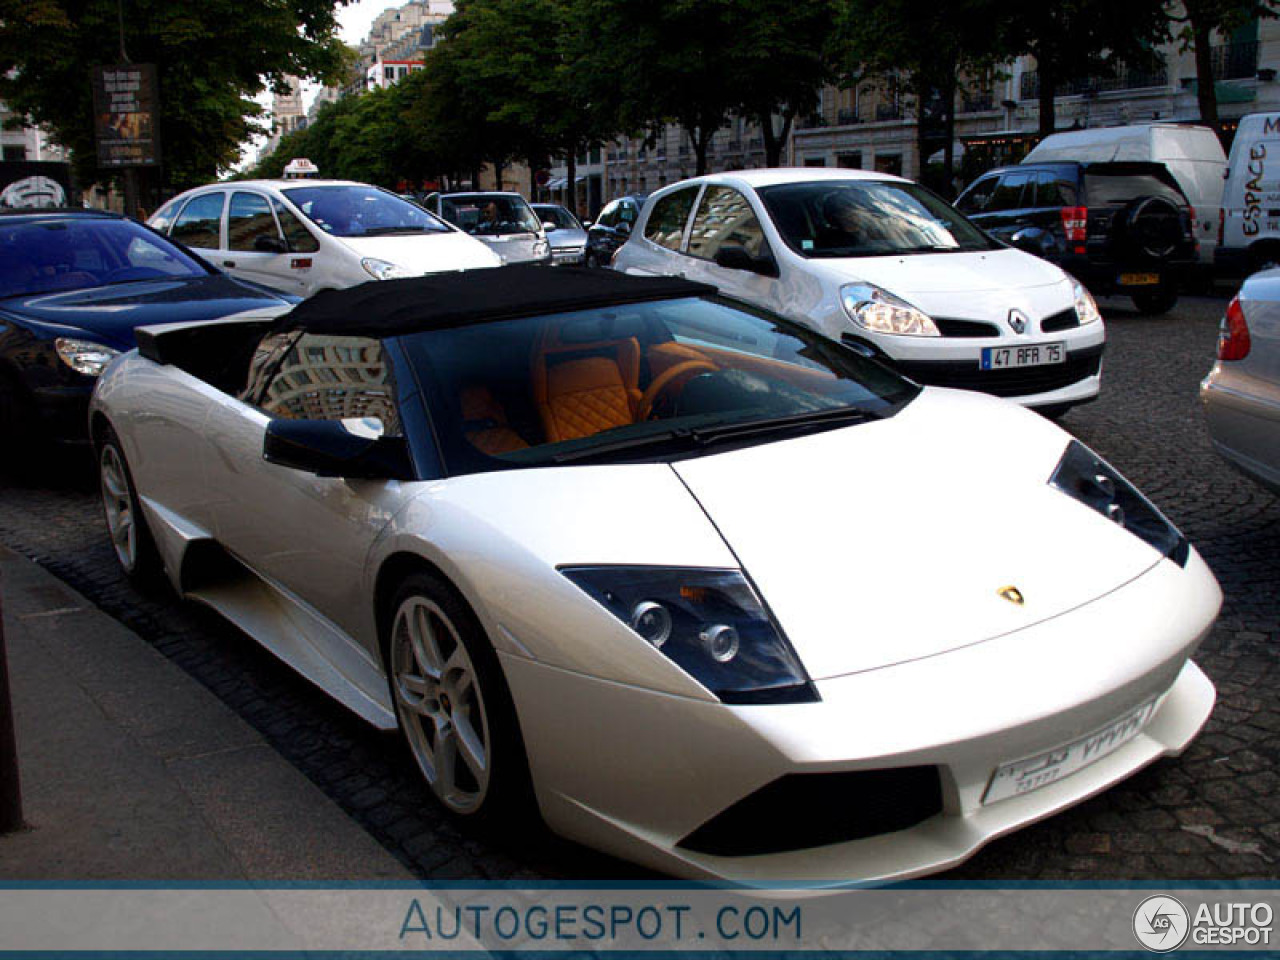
[[977, 103], [888, 111], [845, 116], [1124, 78], [1234, 61]]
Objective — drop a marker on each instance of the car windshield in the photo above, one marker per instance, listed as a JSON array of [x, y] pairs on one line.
[[644, 381], [554, 213], [356, 211], [868, 218], [50, 254], [489, 214]]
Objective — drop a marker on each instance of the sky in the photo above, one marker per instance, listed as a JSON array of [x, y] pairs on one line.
[[354, 21]]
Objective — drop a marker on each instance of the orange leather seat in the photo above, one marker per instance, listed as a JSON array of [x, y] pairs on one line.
[[584, 388], [484, 422]]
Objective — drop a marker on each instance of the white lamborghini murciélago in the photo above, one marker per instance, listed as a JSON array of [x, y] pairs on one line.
[[720, 595]]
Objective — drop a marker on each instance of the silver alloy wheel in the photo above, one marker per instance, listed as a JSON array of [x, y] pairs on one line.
[[440, 704], [117, 503]]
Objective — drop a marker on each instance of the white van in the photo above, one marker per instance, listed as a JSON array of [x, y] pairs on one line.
[[1193, 154], [1250, 237]]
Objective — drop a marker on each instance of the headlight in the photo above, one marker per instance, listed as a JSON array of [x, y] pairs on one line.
[[382, 270], [708, 622], [1082, 475], [1086, 306], [880, 311], [541, 248], [84, 356]]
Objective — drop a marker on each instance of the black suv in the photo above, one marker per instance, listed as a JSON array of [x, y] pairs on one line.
[[1121, 228], [612, 229]]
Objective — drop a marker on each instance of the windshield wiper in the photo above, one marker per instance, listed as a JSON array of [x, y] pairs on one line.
[[392, 231], [832, 415], [705, 436]]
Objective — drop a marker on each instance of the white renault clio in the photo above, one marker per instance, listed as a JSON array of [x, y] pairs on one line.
[[304, 236], [889, 268]]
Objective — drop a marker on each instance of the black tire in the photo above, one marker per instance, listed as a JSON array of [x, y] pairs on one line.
[[16, 415], [135, 551], [1055, 411], [505, 799], [1155, 302]]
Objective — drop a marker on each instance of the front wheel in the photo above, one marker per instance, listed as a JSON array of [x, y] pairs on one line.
[[452, 703], [1156, 302], [130, 537]]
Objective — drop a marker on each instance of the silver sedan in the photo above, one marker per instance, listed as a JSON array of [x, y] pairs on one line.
[[1241, 394]]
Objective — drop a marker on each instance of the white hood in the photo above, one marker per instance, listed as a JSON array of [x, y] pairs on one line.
[[947, 273], [887, 542], [428, 252]]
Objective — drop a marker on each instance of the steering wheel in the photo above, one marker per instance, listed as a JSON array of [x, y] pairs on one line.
[[668, 379]]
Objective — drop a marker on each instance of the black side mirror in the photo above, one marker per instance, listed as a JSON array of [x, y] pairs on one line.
[[327, 449], [737, 258], [623, 228], [266, 243], [1030, 241]]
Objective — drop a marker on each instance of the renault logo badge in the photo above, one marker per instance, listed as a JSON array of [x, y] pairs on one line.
[[1012, 594], [1018, 320]]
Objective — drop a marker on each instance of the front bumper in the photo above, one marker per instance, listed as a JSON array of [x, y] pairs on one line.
[[635, 772], [1078, 380]]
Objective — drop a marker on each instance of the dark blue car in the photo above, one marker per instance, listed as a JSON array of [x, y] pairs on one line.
[[73, 285]]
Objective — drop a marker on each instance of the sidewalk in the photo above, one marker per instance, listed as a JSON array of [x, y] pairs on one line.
[[131, 770]]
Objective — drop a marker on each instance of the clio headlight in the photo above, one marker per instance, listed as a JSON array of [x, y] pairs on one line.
[[383, 270], [709, 623], [1086, 307], [879, 311], [1082, 475], [84, 356]]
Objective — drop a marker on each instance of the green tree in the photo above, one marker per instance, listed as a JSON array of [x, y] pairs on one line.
[[782, 53], [927, 47], [1076, 39], [212, 58], [650, 62], [1196, 22]]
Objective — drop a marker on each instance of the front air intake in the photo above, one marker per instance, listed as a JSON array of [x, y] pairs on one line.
[[804, 810]]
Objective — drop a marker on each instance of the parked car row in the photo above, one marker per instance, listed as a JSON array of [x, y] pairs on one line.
[[409, 491]]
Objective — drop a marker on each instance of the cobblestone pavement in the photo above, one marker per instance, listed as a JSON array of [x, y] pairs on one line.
[[1215, 812]]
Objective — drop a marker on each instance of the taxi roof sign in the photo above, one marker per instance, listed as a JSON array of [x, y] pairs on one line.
[[300, 167]]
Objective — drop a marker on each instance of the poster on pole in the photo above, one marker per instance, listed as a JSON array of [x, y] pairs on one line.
[[125, 115]]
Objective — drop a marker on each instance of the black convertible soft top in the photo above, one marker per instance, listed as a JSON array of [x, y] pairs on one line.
[[393, 307]]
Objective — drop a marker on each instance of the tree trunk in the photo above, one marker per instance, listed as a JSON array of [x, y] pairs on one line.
[[949, 150], [1048, 92], [1206, 90], [498, 167], [774, 142], [571, 184], [701, 138], [922, 145]]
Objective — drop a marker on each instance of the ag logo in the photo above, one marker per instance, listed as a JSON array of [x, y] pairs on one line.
[[1161, 923], [1018, 321]]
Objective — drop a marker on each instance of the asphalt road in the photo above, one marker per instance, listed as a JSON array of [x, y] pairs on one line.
[[1212, 813]]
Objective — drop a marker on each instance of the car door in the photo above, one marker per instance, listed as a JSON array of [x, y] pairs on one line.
[[1006, 210], [310, 535], [256, 250], [659, 250], [725, 219], [310, 267], [199, 225], [601, 240]]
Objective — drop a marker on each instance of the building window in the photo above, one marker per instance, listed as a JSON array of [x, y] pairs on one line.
[[815, 161], [889, 163], [849, 161], [16, 151]]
